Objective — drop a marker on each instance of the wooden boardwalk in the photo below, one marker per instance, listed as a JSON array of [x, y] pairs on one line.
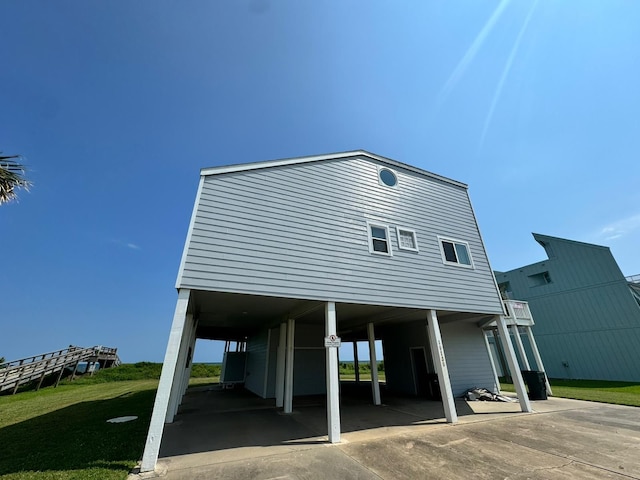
[[36, 368]]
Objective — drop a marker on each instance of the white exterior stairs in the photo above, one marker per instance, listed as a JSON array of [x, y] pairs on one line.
[[25, 370]]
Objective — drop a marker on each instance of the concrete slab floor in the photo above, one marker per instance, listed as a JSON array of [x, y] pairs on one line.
[[243, 436]]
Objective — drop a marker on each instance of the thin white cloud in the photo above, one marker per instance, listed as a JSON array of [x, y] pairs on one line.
[[471, 52], [130, 245], [505, 73], [620, 228]]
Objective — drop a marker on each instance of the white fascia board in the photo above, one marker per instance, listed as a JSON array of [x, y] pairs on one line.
[[242, 167], [486, 255], [189, 233]]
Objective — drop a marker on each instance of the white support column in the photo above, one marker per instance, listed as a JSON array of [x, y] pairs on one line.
[[440, 363], [519, 344], [373, 363], [178, 376], [356, 362], [536, 356], [280, 370], [493, 364], [333, 380], [510, 353], [288, 377], [152, 445]]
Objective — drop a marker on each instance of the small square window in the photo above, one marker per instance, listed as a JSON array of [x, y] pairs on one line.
[[455, 252], [407, 239], [539, 279], [379, 239]]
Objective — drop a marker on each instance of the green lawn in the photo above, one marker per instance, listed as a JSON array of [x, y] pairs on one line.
[[61, 433], [365, 377], [620, 393]]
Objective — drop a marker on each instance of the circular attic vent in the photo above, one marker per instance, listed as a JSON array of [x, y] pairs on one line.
[[388, 177]]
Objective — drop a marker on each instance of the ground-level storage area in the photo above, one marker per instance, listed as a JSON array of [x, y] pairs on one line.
[[289, 353]]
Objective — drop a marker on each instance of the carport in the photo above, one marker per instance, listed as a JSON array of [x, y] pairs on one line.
[[238, 317]]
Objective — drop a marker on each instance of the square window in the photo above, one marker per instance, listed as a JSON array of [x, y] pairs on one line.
[[407, 239], [379, 239], [539, 279], [455, 252], [463, 254], [449, 252]]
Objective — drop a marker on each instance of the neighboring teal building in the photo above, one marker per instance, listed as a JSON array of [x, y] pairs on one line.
[[587, 314]]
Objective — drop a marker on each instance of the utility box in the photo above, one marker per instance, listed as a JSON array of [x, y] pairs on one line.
[[536, 384]]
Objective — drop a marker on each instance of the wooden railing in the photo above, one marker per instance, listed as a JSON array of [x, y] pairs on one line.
[[29, 369]]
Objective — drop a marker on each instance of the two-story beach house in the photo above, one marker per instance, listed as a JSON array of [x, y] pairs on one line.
[[288, 256]]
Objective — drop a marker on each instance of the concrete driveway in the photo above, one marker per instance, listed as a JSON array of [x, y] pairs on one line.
[[244, 437]]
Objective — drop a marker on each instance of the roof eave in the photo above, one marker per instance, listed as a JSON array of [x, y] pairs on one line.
[[242, 167]]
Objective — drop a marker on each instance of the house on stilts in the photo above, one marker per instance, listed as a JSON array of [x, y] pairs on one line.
[[283, 255]]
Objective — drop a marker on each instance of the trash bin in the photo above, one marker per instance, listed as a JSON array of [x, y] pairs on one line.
[[536, 384]]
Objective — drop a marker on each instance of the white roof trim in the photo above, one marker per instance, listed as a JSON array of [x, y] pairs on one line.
[[192, 222], [242, 167]]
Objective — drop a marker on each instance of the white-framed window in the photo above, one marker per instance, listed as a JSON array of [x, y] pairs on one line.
[[407, 239], [455, 252], [387, 177], [379, 239]]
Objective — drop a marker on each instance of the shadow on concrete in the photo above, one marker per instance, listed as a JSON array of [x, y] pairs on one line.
[[212, 419]]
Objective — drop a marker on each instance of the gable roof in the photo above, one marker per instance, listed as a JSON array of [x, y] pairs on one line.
[[242, 167]]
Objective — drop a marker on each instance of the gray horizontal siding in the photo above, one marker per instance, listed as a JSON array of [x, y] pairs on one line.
[[466, 355], [467, 358], [300, 231]]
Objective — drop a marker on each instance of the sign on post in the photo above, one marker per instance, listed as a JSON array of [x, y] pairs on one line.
[[332, 341]]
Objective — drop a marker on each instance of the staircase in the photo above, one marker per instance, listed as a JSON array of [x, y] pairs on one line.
[[36, 368]]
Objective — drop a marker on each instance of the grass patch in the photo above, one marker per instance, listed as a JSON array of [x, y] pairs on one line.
[[124, 372], [365, 377], [61, 433], [619, 393]]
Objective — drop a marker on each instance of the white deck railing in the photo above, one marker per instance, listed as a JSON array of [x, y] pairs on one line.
[[633, 279], [517, 310]]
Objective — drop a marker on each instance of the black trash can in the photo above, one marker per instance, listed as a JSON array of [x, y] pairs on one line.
[[536, 384]]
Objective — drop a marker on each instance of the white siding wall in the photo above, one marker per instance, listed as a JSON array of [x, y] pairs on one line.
[[300, 231]]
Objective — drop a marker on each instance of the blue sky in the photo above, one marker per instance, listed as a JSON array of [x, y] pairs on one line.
[[117, 105]]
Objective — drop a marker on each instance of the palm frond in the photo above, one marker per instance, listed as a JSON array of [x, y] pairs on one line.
[[11, 177]]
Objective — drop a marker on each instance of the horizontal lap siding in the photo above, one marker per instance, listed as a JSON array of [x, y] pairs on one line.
[[301, 231], [467, 358]]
